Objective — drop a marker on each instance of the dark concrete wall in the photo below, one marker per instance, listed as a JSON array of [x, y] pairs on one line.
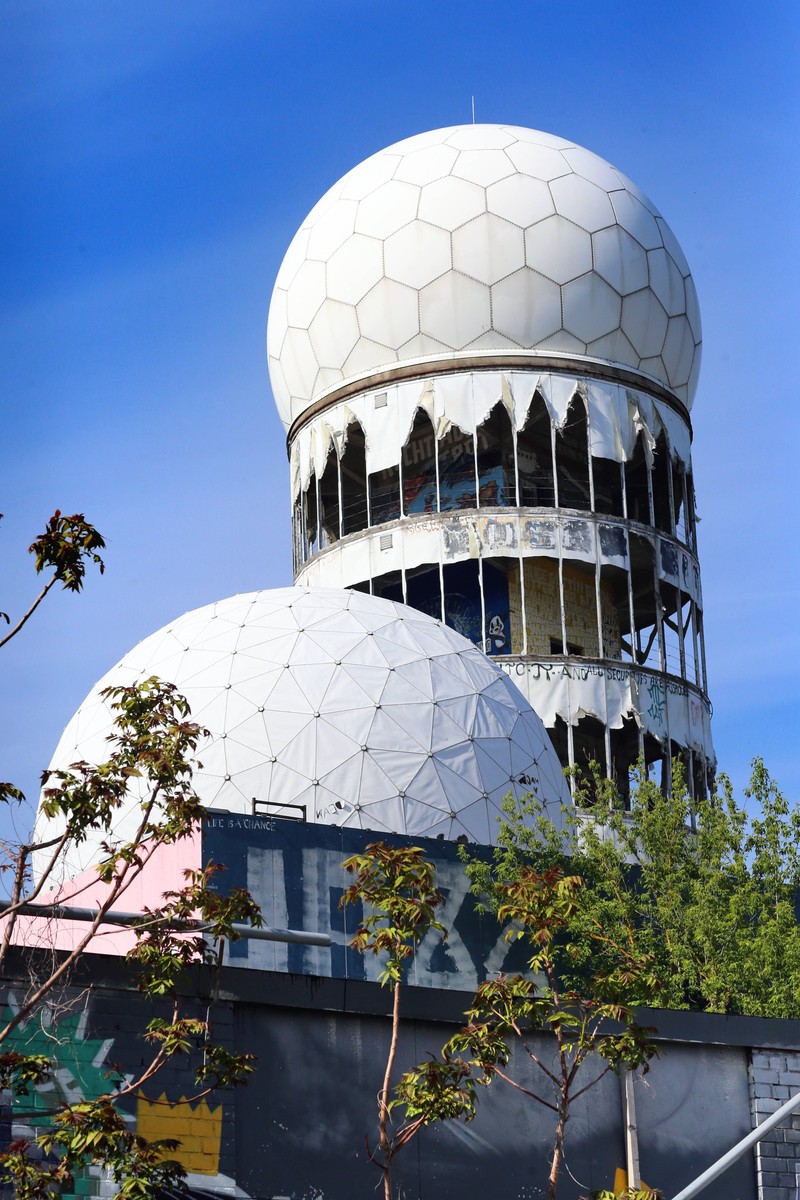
[[298, 1130]]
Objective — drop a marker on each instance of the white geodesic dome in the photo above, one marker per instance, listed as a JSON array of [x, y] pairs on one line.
[[476, 239], [367, 712]]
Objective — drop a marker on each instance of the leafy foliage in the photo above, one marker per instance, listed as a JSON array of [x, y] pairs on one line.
[[67, 545], [147, 777], [585, 1001], [396, 886], [704, 888]]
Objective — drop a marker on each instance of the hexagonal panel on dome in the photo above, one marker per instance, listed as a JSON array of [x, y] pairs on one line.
[[488, 248], [480, 137], [451, 202], [591, 307], [620, 259], [387, 209], [483, 166], [333, 333], [666, 282], [590, 166], [354, 268], [372, 714], [417, 254], [454, 310], [304, 298], [678, 350], [526, 307], [332, 229], [426, 165], [645, 322], [558, 249], [537, 161], [446, 206], [582, 202], [367, 354], [636, 219], [520, 199], [390, 310]]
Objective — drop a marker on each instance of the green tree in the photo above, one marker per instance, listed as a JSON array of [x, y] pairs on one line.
[[153, 742], [396, 887], [707, 887], [587, 1005]]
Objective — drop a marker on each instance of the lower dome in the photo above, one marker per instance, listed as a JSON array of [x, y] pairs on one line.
[[362, 711]]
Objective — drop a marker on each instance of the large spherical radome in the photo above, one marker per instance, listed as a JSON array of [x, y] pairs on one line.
[[480, 238], [367, 712]]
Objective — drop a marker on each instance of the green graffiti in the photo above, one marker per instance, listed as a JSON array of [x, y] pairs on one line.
[[79, 1069]]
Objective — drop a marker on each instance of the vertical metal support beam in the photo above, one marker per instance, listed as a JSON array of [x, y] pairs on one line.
[[484, 631], [441, 579], [634, 637], [436, 467], [589, 462], [650, 503], [607, 745], [590, 466], [662, 645], [672, 523], [571, 755], [523, 601], [517, 500], [702, 644], [688, 499], [341, 494], [630, 1129], [475, 464], [598, 598], [624, 490], [562, 609], [681, 645], [553, 461], [698, 676]]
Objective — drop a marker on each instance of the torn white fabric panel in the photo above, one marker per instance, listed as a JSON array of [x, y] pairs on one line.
[[610, 423], [454, 400], [294, 472], [523, 385], [557, 392], [677, 431], [487, 391], [644, 422], [616, 416]]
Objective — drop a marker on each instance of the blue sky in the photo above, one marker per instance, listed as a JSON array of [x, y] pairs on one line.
[[157, 161]]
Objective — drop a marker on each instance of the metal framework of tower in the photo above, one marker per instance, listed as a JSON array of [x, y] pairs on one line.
[[546, 510]]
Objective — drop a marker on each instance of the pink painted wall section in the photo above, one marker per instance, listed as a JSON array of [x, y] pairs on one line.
[[162, 873]]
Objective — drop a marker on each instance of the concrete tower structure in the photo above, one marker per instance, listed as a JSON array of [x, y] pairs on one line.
[[484, 344]]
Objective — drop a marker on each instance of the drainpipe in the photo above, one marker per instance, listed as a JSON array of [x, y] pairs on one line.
[[64, 912], [741, 1148]]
